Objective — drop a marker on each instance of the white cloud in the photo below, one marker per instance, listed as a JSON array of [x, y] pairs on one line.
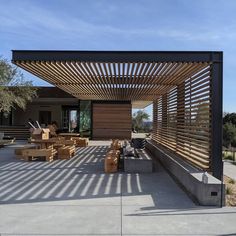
[[33, 22]]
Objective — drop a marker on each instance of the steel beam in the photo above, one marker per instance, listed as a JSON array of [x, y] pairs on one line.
[[116, 56]]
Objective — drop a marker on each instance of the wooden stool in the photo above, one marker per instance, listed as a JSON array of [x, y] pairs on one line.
[[82, 142], [111, 164], [111, 161], [113, 153], [115, 144], [66, 152]]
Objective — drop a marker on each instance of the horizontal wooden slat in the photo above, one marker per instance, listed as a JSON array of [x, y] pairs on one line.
[[182, 119], [115, 81], [111, 121]]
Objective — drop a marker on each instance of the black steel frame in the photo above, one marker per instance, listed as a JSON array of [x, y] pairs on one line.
[[215, 58], [116, 56], [217, 118]]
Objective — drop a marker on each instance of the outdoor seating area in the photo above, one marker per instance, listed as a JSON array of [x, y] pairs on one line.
[[122, 156], [117, 118], [44, 146]]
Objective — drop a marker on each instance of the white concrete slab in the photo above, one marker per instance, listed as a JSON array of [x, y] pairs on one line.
[[197, 221], [59, 220], [76, 197], [230, 170]]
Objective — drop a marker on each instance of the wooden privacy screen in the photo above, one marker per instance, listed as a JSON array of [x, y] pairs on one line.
[[182, 119], [111, 121]]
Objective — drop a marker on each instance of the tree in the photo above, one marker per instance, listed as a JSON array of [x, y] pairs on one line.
[[229, 135], [138, 120], [14, 89], [229, 118]]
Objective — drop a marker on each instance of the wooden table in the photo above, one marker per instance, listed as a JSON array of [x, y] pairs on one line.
[[44, 143], [69, 135]]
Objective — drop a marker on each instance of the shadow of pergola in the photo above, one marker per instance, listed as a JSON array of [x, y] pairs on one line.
[[83, 177]]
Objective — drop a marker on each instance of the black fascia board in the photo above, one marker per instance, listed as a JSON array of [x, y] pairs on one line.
[[117, 56]]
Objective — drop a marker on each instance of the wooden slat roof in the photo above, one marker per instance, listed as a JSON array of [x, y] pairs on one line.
[[133, 76]]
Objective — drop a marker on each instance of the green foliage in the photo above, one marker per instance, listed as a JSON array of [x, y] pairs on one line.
[[231, 181], [229, 190], [229, 118], [85, 118], [138, 121], [229, 135], [229, 158], [14, 90]]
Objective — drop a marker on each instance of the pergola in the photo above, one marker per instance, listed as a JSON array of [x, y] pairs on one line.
[[184, 87]]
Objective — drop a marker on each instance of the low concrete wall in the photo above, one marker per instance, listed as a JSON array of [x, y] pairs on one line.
[[191, 178]]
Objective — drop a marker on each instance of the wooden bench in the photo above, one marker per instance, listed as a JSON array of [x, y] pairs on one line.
[[80, 142], [19, 151], [63, 143], [141, 163], [66, 152], [29, 154]]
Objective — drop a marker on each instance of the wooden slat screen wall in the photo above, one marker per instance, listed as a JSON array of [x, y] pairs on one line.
[[111, 121], [182, 119]]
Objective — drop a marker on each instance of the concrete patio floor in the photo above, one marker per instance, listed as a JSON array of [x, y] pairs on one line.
[[76, 197]]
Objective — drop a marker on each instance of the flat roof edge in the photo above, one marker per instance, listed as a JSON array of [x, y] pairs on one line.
[[117, 56]]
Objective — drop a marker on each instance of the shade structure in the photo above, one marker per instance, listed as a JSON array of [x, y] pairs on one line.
[[185, 87], [89, 76]]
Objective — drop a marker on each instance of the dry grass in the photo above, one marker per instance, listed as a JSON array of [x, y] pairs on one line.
[[230, 190]]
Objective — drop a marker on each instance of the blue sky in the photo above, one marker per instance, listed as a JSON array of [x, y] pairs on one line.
[[123, 25]]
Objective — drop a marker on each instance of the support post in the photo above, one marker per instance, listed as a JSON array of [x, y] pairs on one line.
[[180, 113], [154, 115], [164, 112], [216, 117]]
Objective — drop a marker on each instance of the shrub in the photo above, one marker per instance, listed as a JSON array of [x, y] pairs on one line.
[[229, 190], [229, 158], [231, 181]]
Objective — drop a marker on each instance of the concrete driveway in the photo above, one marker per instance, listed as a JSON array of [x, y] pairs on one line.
[[76, 197]]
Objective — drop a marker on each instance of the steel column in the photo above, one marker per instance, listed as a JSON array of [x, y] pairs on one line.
[[216, 120]]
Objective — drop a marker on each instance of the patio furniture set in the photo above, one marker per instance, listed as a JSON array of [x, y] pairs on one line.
[[123, 156], [41, 146]]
